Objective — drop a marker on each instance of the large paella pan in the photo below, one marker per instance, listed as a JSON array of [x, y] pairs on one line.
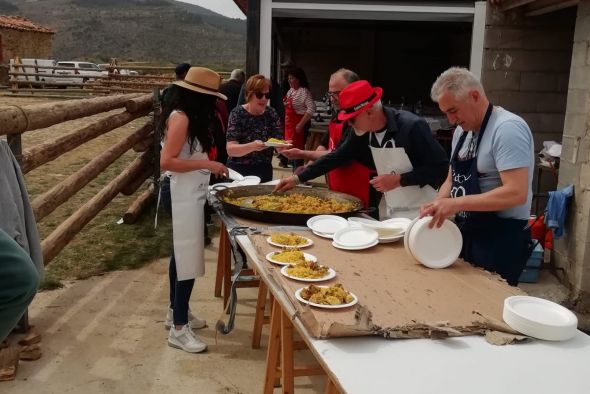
[[258, 203]]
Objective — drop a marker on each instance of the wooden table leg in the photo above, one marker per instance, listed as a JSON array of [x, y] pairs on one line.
[[220, 261], [331, 387], [274, 348], [287, 376], [226, 268], [259, 316]]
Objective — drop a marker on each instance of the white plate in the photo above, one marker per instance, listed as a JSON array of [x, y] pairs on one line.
[[388, 240], [298, 296], [305, 245], [249, 180], [539, 318], [352, 237], [326, 224], [277, 145], [406, 237], [329, 275], [234, 175], [435, 247], [338, 246], [323, 235], [307, 256], [272, 183]]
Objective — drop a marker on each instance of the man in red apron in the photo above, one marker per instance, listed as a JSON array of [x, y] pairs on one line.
[[353, 178], [398, 145]]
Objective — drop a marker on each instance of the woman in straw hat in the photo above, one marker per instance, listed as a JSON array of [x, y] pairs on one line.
[[188, 157], [249, 126]]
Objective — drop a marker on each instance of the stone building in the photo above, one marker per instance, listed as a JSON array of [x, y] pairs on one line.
[[24, 38]]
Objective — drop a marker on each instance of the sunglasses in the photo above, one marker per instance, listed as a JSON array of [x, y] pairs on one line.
[[260, 95]]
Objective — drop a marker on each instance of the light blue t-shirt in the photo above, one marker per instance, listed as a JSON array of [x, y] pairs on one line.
[[507, 144]]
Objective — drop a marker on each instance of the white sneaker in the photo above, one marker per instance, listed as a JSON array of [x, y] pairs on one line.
[[186, 340], [193, 321]]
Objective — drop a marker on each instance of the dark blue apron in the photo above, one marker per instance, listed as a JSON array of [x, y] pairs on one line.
[[496, 244]]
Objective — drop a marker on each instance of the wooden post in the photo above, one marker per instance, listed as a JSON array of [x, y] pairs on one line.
[[157, 137], [139, 205], [144, 144], [15, 119], [48, 201], [66, 231], [52, 149], [274, 349]]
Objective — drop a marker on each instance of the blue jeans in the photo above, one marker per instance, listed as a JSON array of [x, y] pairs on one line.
[[180, 290]]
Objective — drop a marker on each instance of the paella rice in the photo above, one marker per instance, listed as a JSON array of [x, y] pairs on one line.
[[307, 270], [288, 239], [289, 256], [294, 203], [331, 295]]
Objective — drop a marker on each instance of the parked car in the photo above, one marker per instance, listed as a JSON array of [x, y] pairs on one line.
[[104, 67], [34, 66], [82, 72]]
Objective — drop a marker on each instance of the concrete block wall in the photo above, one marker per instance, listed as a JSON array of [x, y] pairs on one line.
[[572, 253], [25, 44], [526, 67]]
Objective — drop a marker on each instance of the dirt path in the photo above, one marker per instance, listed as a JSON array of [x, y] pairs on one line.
[[106, 335]]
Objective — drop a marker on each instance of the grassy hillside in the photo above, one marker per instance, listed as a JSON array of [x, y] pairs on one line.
[[163, 31]]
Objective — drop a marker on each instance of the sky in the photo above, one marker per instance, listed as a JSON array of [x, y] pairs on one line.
[[223, 7]]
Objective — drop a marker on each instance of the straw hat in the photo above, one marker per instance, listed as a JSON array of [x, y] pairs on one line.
[[202, 80]]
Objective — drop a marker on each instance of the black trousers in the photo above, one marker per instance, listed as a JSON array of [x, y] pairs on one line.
[[496, 244]]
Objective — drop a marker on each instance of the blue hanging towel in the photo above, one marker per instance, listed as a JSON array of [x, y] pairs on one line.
[[556, 211]]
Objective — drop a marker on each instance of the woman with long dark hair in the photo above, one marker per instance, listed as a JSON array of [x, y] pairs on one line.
[[188, 156]]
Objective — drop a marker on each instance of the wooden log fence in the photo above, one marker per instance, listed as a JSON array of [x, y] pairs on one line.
[[67, 230], [57, 195], [52, 149], [15, 120]]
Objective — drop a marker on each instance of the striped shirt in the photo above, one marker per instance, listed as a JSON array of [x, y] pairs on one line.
[[302, 101]]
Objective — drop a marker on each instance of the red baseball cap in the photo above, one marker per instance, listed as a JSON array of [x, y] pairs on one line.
[[356, 98]]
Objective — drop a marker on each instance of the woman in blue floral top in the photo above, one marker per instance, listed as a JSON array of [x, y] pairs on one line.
[[249, 125]]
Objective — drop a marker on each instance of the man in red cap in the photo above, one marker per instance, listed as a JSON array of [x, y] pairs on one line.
[[397, 144], [352, 178]]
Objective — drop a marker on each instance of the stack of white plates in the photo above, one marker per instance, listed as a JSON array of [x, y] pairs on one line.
[[248, 180], [390, 230], [355, 238], [433, 247], [326, 225], [539, 318]]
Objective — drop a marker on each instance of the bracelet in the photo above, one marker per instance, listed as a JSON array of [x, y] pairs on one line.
[[297, 180]]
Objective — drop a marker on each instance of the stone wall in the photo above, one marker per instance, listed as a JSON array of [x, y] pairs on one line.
[[526, 67], [25, 44], [572, 253]]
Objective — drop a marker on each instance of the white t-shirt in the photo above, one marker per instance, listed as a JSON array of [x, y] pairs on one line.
[[507, 144]]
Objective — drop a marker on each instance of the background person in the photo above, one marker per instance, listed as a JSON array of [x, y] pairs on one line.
[[249, 126], [352, 178], [488, 186], [379, 133], [299, 109], [231, 88], [188, 155]]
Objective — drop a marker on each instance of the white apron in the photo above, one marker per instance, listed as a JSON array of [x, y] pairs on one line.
[[188, 192], [402, 202]]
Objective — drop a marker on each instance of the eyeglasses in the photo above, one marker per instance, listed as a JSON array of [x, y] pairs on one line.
[[260, 95], [334, 95]]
